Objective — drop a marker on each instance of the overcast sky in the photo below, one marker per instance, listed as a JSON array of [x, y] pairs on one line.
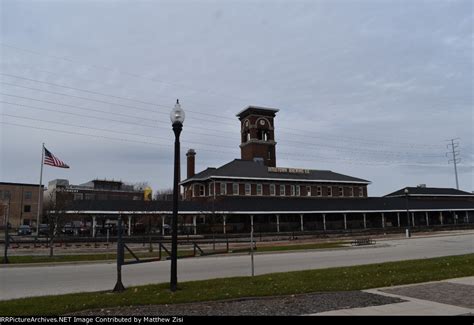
[[371, 89]]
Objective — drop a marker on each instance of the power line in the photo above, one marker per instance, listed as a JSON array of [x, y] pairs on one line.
[[454, 156], [156, 104], [358, 162], [98, 136], [103, 130], [134, 75], [306, 145], [94, 110], [108, 95]]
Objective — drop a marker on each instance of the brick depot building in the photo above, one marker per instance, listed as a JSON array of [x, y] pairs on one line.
[[281, 199], [256, 173]]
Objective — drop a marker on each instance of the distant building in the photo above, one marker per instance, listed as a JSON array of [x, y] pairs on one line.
[[100, 190], [256, 173], [421, 191], [23, 203]]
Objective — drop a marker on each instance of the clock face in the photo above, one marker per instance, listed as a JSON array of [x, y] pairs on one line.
[[262, 122]]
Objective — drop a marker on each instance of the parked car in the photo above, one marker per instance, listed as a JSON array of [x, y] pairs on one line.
[[43, 230], [85, 230], [24, 230]]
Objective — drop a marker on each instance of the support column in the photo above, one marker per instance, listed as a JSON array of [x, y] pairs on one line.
[[251, 244], [365, 220], [224, 220], [427, 219], [324, 221], [301, 222], [163, 225], [195, 225], [129, 225], [278, 222], [398, 219], [413, 219], [441, 217], [94, 225], [467, 217], [383, 220], [345, 221]]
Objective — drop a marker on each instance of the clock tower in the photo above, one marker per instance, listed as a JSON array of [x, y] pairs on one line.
[[258, 134]]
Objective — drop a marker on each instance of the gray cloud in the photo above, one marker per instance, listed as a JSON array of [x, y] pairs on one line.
[[371, 88]]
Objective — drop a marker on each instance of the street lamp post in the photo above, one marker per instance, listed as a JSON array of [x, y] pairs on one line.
[[177, 119], [408, 234]]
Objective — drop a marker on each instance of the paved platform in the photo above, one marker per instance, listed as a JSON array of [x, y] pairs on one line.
[[449, 298]]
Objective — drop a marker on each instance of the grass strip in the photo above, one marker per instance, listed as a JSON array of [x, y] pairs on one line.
[[322, 280]]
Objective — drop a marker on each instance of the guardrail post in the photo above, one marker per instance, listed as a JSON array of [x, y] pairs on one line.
[[120, 257]]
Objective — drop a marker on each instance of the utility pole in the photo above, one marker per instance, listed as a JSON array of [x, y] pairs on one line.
[[454, 156]]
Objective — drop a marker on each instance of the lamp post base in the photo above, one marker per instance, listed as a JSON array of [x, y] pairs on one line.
[[407, 233]]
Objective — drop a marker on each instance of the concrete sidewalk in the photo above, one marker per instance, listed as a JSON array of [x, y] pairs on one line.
[[448, 297]]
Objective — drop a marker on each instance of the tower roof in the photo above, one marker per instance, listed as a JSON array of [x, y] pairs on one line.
[[267, 111]]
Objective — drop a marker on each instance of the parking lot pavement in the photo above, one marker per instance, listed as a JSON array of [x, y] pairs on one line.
[[449, 298]]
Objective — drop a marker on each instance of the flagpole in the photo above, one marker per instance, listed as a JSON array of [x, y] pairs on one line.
[[40, 194]]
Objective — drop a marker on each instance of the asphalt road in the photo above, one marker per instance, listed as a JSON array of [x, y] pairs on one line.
[[18, 282]]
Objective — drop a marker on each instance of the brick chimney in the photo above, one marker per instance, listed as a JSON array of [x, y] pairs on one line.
[[191, 154]]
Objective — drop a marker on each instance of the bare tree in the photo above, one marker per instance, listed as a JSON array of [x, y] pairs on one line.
[[56, 217], [164, 195]]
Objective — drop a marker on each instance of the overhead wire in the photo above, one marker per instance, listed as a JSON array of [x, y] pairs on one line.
[[151, 79]]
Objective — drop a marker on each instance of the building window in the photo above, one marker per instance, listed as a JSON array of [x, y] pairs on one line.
[[329, 191], [78, 196], [282, 190], [223, 188], [361, 191], [308, 190], [248, 189], [272, 189], [292, 190], [298, 190], [202, 190], [235, 188], [27, 208], [319, 191], [259, 189], [7, 195], [28, 195], [341, 191], [90, 196]]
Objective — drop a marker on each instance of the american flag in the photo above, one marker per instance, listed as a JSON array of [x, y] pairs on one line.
[[50, 159]]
